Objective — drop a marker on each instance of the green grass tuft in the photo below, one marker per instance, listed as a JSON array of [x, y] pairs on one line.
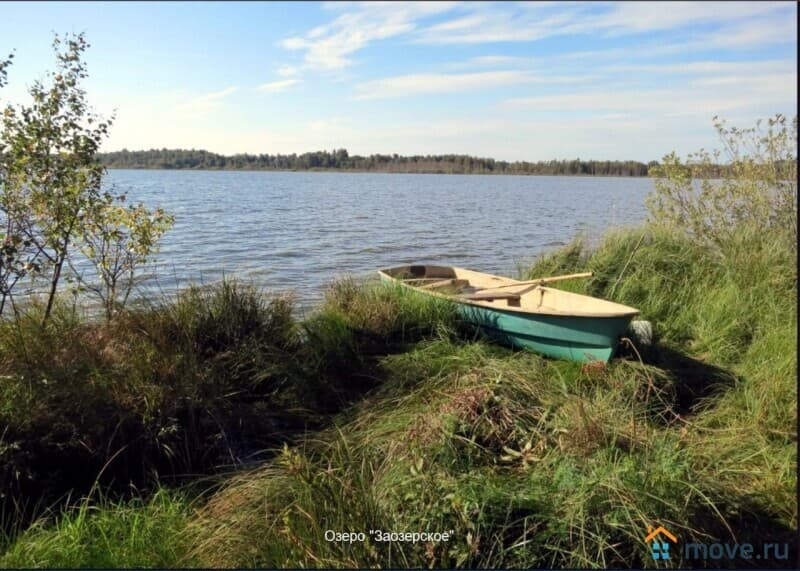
[[104, 534]]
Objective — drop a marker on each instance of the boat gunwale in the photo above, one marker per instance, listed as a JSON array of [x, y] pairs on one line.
[[511, 309]]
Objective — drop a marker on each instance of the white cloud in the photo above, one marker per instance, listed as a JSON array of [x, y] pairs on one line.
[[278, 86], [497, 62], [427, 83], [638, 17], [705, 67], [701, 97], [293, 43], [418, 83], [330, 46], [771, 86], [630, 99], [460, 24], [498, 24], [526, 22], [756, 32]]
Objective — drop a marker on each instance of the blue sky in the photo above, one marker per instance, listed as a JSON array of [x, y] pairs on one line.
[[513, 81]]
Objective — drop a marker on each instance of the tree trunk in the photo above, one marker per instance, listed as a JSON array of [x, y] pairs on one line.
[[52, 295]]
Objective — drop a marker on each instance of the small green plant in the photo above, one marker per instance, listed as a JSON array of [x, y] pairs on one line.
[[118, 241]]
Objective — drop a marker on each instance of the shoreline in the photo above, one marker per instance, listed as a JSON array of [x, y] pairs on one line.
[[366, 171]]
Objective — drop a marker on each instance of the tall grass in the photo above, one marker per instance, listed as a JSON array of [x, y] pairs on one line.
[[175, 389], [727, 319], [530, 462], [106, 534], [360, 321], [218, 377], [538, 463]]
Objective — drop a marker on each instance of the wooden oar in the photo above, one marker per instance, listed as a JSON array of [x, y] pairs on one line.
[[542, 281]]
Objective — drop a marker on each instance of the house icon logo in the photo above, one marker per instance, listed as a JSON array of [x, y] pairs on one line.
[[659, 548]]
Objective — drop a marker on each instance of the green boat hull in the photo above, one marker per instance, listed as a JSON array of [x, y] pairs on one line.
[[578, 338], [582, 339]]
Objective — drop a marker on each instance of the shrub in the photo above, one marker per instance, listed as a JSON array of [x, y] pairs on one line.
[[756, 189]]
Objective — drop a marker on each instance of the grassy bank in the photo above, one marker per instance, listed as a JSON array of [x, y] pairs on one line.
[[382, 412]]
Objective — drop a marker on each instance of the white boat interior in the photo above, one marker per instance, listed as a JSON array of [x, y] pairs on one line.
[[497, 292]]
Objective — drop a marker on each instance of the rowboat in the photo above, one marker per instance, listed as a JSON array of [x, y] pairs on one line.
[[525, 314]]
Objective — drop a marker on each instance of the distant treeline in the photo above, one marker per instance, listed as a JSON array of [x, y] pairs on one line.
[[340, 159]]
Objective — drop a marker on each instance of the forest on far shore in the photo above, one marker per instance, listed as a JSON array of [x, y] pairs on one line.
[[340, 159]]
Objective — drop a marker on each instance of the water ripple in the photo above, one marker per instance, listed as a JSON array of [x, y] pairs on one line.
[[300, 230]]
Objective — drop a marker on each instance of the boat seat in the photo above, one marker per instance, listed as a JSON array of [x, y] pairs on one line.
[[457, 283], [417, 281], [512, 298]]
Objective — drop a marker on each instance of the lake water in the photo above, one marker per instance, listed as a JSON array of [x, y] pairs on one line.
[[298, 231]]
